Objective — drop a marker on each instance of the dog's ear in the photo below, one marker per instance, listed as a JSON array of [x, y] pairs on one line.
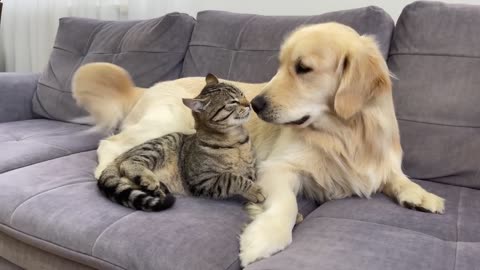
[[365, 75]]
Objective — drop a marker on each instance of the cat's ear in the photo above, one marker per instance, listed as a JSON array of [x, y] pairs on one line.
[[211, 79], [196, 105]]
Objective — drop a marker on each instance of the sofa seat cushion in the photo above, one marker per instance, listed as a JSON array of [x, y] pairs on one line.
[[436, 58], [57, 203], [27, 142], [244, 47], [6, 265], [378, 234], [150, 50]]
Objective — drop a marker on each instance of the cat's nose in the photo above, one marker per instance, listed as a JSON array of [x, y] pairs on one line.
[[259, 103]]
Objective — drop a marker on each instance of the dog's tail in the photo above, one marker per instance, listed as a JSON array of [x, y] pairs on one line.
[[106, 91], [123, 191]]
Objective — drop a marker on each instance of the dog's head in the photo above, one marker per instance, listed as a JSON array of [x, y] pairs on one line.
[[326, 70]]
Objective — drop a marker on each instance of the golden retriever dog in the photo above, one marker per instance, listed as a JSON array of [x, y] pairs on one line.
[[326, 127]]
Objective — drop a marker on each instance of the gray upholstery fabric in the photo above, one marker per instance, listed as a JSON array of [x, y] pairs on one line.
[[42, 252], [151, 50], [58, 201], [244, 47], [54, 204], [16, 92], [6, 265], [27, 257], [435, 56], [358, 233], [31, 141]]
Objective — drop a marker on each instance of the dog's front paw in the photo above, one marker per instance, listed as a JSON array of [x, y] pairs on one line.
[[421, 200], [264, 237]]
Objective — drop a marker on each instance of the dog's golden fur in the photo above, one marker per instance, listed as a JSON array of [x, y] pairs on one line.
[[328, 130]]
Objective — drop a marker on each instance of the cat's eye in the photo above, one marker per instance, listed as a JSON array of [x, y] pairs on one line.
[[234, 102], [301, 68]]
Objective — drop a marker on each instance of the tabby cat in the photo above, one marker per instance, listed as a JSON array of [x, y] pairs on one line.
[[217, 161]]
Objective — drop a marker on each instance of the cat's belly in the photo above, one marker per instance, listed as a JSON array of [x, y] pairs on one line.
[[170, 176]]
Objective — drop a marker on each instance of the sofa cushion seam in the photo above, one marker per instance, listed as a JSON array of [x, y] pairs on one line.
[[53, 88], [436, 124], [53, 146], [456, 226], [60, 246], [108, 227], [32, 164], [232, 49], [237, 44], [40, 193], [91, 37], [39, 102], [125, 35], [234, 262], [122, 52], [51, 69], [117, 53], [15, 138], [387, 225], [434, 54], [58, 133]]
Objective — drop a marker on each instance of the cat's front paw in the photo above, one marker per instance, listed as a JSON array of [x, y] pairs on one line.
[[255, 194], [147, 183]]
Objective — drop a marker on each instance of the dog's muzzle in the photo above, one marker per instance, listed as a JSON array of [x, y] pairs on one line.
[[259, 103], [300, 121]]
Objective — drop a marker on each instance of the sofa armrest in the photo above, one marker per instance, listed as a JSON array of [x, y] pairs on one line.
[[16, 93]]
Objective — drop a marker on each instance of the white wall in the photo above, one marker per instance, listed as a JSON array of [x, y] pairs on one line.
[[28, 27], [283, 7]]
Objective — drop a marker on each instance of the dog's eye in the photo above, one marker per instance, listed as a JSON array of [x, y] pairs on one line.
[[300, 68]]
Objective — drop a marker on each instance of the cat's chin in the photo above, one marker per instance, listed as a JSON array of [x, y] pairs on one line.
[[242, 119], [239, 122]]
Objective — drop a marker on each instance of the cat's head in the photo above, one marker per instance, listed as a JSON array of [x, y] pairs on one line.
[[219, 105]]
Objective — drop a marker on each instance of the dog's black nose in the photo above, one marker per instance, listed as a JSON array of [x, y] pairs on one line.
[[259, 103]]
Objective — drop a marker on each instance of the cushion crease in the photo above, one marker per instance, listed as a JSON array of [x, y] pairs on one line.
[[56, 245], [108, 227], [43, 192], [385, 225]]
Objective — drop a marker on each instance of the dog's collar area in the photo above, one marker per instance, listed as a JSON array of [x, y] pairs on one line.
[[299, 121]]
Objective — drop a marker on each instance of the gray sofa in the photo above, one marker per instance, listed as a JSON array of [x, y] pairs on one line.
[[53, 217]]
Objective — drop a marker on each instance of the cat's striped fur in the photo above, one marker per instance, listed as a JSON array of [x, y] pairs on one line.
[[217, 161]]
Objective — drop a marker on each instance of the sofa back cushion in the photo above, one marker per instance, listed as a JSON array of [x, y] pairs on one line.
[[244, 47], [151, 50], [436, 57]]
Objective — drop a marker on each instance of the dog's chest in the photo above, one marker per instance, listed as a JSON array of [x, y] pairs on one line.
[[325, 174], [292, 149]]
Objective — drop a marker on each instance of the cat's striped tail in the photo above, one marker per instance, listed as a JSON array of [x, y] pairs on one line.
[[123, 191]]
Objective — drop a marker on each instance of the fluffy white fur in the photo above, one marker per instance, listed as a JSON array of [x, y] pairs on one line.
[[349, 145]]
